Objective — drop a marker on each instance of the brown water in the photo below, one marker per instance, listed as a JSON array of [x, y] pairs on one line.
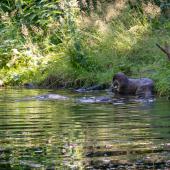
[[49, 135]]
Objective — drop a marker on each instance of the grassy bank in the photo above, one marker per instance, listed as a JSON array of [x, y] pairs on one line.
[[74, 49]]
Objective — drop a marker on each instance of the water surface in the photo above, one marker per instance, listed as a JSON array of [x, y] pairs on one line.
[[55, 134]]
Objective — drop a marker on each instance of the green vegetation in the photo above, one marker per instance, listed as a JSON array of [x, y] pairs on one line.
[[55, 44]]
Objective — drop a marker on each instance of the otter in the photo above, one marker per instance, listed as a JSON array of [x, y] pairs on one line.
[[142, 87]]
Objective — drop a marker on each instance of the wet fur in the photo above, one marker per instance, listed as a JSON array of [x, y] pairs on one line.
[[142, 87]]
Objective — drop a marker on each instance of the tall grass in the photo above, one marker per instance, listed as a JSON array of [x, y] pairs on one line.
[[125, 43], [80, 50]]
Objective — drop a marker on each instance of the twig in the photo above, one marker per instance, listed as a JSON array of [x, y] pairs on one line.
[[166, 49]]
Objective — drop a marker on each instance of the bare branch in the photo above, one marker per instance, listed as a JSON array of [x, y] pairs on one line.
[[165, 49], [161, 48]]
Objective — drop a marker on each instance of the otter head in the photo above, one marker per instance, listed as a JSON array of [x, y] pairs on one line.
[[119, 83]]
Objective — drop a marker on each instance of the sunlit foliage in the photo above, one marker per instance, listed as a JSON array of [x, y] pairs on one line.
[[63, 43]]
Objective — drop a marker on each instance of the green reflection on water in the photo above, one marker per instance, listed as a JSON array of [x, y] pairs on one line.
[[69, 135]]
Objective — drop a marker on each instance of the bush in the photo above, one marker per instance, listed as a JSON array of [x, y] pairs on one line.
[[54, 45]]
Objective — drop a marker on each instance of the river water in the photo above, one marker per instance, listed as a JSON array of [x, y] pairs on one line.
[[66, 134]]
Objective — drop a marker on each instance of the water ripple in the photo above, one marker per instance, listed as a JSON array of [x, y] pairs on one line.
[[68, 135]]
